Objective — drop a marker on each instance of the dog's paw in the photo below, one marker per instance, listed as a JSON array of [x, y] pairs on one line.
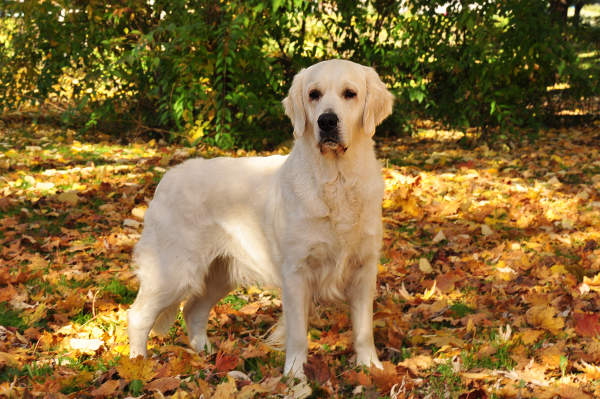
[[367, 361], [202, 344]]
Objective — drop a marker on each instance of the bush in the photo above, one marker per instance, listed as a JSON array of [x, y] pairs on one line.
[[216, 72]]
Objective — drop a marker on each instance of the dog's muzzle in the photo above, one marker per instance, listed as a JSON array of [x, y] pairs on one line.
[[329, 137]]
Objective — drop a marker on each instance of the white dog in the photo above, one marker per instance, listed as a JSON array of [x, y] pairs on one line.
[[309, 222]]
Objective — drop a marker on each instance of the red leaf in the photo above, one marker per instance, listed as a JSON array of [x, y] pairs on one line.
[[225, 363], [587, 324]]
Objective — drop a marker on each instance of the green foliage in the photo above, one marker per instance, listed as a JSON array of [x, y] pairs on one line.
[[11, 318], [488, 64], [216, 72]]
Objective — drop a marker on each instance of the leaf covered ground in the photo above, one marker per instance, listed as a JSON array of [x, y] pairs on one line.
[[488, 283]]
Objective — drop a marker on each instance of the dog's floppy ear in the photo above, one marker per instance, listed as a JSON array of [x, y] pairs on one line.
[[294, 105], [378, 104]]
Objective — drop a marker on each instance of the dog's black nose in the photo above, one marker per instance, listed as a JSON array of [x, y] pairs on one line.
[[327, 122]]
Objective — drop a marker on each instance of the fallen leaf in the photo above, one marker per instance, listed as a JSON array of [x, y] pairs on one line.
[[106, 390], [163, 384], [587, 324], [316, 370], [69, 196], [418, 364]]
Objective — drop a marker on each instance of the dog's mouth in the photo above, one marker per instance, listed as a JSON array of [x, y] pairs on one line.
[[330, 144]]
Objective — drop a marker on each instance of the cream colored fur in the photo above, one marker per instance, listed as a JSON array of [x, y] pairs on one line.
[[309, 222]]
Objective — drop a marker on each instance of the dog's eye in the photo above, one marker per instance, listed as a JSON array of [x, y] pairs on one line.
[[348, 94], [314, 95]]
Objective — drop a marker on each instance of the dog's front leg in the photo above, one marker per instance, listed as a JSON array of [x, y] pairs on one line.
[[360, 298], [296, 301]]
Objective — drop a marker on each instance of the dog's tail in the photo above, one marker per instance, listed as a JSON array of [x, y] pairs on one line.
[[276, 335], [165, 320]]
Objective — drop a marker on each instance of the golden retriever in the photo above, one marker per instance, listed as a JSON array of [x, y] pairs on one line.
[[309, 222]]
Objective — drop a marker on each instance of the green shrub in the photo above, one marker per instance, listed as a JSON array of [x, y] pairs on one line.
[[216, 72]]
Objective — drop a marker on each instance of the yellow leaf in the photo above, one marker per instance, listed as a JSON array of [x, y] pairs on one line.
[[136, 369], [543, 316], [388, 203], [429, 293], [249, 391], [471, 325], [492, 171], [225, 390], [531, 336], [560, 269], [11, 153]]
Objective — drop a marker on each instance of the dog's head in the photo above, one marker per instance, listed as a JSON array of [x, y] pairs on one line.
[[337, 100]]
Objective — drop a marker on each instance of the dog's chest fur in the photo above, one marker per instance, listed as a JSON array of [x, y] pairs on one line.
[[347, 234]]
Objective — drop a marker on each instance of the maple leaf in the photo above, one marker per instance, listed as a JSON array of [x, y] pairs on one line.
[[385, 379], [136, 369], [163, 384], [418, 364], [252, 351], [6, 294], [5, 203], [475, 394], [317, 370], [106, 390], [543, 316], [225, 390], [359, 378], [225, 363], [250, 391], [587, 324]]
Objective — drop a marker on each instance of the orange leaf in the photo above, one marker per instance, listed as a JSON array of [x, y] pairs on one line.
[[359, 378], [252, 351], [6, 294], [250, 309], [385, 379]]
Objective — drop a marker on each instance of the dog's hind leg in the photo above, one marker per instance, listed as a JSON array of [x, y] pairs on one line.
[[196, 311], [144, 312]]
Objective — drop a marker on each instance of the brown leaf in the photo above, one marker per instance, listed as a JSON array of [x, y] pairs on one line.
[[317, 370], [106, 389], [5, 203], [587, 324], [475, 394], [32, 333], [163, 384]]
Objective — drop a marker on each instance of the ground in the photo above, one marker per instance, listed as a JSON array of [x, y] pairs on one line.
[[488, 283]]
